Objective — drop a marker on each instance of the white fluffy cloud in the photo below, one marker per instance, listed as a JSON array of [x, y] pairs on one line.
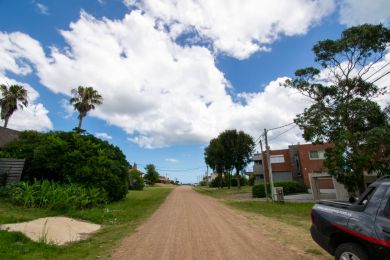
[[12, 54], [171, 160], [237, 28], [157, 91], [103, 136], [32, 117], [354, 12]]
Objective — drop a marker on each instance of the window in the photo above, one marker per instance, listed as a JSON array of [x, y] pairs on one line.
[[367, 197], [317, 155], [386, 211], [277, 158]]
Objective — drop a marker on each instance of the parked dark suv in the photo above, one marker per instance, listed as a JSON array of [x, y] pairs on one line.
[[359, 230]]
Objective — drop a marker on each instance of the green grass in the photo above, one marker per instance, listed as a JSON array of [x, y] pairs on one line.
[[297, 214], [119, 219], [224, 193]]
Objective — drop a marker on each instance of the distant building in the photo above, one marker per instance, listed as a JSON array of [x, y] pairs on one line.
[[293, 164], [163, 179], [7, 135]]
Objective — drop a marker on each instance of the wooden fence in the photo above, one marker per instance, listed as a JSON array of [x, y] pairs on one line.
[[12, 169]]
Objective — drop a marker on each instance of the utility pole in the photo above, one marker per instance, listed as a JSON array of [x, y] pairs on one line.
[[263, 161], [271, 179]]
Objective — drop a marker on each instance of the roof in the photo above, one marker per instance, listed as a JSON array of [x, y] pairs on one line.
[[7, 135]]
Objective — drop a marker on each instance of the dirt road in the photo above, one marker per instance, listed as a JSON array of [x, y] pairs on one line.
[[193, 226]]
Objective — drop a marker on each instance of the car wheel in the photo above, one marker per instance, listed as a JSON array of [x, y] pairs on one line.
[[350, 251]]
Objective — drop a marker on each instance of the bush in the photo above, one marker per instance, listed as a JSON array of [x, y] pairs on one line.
[[70, 157], [243, 181], [136, 182], [258, 190], [289, 187], [54, 196]]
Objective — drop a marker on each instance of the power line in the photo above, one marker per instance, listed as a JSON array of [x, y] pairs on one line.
[[378, 71], [176, 170], [282, 133], [380, 77], [280, 126]]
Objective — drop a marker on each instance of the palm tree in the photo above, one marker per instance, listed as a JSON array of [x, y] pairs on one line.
[[84, 99], [12, 97]]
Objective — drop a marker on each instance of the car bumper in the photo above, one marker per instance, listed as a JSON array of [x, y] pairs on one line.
[[321, 240]]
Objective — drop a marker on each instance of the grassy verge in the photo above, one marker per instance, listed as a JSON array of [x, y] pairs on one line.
[[224, 193], [296, 214], [119, 219]]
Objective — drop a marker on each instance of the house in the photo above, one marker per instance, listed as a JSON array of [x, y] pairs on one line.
[[163, 179], [7, 135], [293, 164]]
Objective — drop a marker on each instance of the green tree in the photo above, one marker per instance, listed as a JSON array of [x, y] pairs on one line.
[[214, 157], [12, 97], [151, 175], [85, 99], [69, 157], [230, 150], [343, 110], [136, 182]]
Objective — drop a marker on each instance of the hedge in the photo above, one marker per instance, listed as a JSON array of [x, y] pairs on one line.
[[70, 157], [289, 187]]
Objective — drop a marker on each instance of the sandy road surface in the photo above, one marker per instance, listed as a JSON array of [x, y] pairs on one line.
[[193, 226]]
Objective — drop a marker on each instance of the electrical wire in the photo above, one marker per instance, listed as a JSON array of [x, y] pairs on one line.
[[282, 133], [380, 77], [280, 126], [377, 71]]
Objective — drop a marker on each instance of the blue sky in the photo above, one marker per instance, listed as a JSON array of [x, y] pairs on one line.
[[173, 74]]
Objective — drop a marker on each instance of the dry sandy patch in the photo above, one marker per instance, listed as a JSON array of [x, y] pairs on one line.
[[55, 230]]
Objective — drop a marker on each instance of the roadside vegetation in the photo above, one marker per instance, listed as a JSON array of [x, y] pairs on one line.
[[296, 214], [230, 151], [289, 187], [222, 193], [71, 158], [119, 219], [345, 109]]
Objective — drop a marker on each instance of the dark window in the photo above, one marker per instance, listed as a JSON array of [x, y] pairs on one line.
[[367, 197], [386, 211], [261, 176]]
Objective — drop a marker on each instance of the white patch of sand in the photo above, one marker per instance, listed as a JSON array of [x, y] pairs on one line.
[[55, 230]]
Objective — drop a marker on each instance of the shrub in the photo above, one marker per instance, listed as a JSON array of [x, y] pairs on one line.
[[136, 182], [70, 157], [55, 196], [251, 180], [289, 187], [243, 181], [258, 190]]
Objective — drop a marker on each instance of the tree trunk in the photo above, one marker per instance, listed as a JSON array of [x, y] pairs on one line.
[[80, 121], [228, 179], [6, 121], [238, 179]]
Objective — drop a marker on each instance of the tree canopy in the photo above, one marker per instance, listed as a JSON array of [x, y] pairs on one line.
[[230, 150], [151, 175], [344, 111], [85, 99], [12, 98]]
